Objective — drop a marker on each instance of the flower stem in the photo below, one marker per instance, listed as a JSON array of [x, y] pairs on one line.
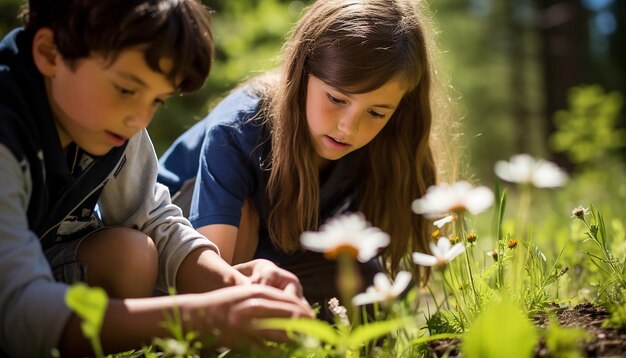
[[521, 227], [348, 282], [462, 236]]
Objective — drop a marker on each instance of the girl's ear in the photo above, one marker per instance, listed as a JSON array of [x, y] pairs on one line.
[[45, 52]]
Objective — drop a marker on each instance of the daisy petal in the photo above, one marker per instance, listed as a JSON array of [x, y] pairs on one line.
[[423, 259], [455, 251], [401, 283], [381, 282], [365, 298]]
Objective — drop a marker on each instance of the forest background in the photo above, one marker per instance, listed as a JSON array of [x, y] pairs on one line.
[[511, 63]]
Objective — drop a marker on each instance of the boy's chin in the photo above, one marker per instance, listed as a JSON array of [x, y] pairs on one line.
[[97, 150]]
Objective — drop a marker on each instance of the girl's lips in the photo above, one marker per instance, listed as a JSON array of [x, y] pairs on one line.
[[331, 142]]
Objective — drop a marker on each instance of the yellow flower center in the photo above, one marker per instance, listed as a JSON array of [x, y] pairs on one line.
[[347, 249]]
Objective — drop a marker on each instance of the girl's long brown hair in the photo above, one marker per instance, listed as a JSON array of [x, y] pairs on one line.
[[356, 46]]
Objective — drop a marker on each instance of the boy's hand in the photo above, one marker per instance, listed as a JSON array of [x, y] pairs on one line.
[[232, 312], [265, 272]]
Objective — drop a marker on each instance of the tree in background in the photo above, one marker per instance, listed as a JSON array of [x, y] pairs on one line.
[[511, 62]]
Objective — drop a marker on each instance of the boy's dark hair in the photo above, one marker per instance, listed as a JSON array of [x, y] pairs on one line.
[[176, 29]]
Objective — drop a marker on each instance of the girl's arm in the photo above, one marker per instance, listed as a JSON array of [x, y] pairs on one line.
[[237, 245], [224, 236]]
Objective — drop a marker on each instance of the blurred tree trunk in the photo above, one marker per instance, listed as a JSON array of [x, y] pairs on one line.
[[517, 74], [562, 25]]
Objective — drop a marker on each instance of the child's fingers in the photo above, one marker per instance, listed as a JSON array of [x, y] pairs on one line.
[[291, 289]]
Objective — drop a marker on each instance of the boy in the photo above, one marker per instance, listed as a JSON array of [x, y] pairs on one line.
[[78, 86]]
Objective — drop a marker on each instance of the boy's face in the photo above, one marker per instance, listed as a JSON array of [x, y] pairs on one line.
[[99, 104]]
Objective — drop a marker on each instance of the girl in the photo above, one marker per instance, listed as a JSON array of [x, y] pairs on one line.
[[344, 124]]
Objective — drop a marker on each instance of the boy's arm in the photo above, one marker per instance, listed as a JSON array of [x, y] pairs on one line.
[[224, 317], [134, 199], [187, 260], [32, 304]]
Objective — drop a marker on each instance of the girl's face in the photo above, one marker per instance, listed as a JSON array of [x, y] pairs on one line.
[[340, 123]]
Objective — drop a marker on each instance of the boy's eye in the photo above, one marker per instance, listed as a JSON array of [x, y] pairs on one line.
[[158, 102], [335, 100], [376, 114], [123, 91]]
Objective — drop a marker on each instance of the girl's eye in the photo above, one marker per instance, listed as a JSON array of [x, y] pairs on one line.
[[124, 91], [376, 114], [335, 100]]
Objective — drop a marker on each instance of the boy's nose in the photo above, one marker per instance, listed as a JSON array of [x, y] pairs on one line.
[[139, 119]]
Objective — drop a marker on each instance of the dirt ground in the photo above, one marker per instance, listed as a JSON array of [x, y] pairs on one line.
[[604, 342]]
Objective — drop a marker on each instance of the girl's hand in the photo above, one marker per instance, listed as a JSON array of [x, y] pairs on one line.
[[265, 272]]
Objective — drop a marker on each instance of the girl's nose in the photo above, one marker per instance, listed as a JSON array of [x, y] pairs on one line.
[[349, 123]]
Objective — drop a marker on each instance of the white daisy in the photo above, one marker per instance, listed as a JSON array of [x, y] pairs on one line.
[[443, 221], [443, 253], [445, 198], [524, 169], [383, 290], [349, 233]]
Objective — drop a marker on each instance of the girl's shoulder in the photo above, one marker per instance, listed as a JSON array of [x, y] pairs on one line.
[[241, 107]]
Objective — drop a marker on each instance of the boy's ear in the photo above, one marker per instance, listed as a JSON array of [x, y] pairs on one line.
[[45, 52]]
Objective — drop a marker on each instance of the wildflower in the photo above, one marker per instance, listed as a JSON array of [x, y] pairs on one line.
[[173, 347], [435, 234], [580, 212], [512, 244], [383, 290], [594, 230], [443, 221], [443, 253], [338, 311], [454, 239], [524, 169], [471, 238], [458, 197], [349, 233], [493, 254]]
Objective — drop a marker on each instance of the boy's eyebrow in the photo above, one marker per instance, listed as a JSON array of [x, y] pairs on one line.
[[134, 78]]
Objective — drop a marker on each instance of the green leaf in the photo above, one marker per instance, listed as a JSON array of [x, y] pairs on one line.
[[365, 333], [436, 337], [501, 208], [501, 331], [90, 304], [320, 330]]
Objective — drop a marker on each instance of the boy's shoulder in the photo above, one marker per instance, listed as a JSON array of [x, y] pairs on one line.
[[23, 100]]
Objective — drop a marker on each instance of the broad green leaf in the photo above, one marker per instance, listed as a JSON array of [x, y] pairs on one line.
[[320, 330], [436, 337], [365, 333], [90, 304], [501, 331]]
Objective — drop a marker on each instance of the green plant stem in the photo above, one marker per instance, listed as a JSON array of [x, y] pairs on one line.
[[521, 228], [462, 236], [445, 293], [617, 272], [499, 239], [458, 303]]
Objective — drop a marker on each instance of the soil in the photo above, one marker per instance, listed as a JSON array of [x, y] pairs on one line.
[[604, 342]]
